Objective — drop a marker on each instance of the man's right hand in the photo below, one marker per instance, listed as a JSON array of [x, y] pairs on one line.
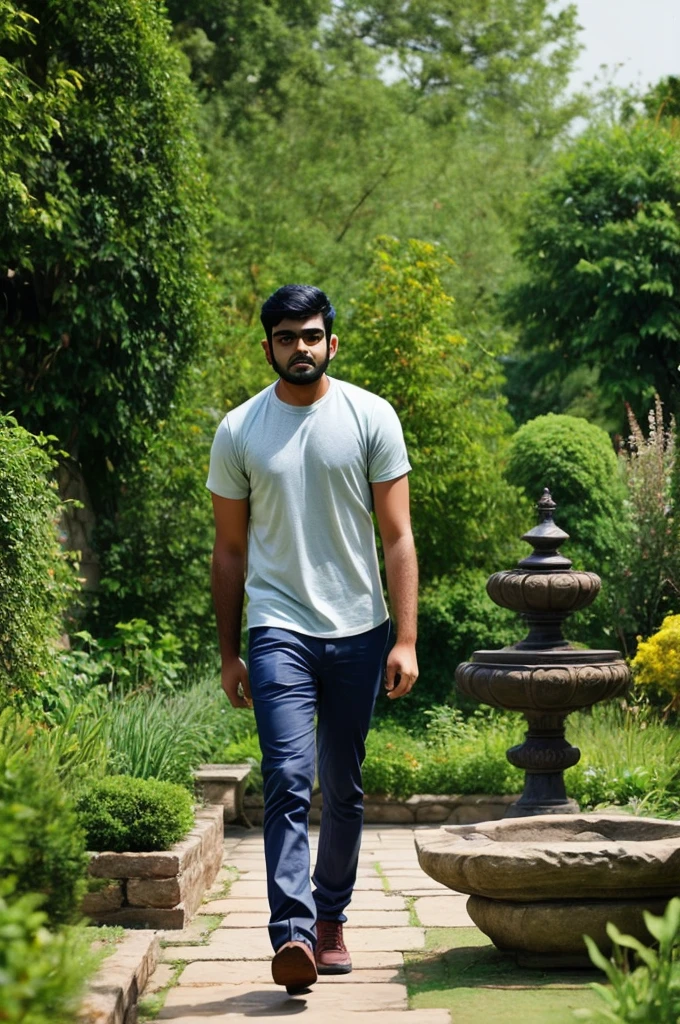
[[235, 673]]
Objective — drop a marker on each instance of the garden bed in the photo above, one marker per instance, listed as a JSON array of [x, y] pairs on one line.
[[161, 889]]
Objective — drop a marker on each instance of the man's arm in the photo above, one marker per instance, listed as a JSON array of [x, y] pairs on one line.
[[391, 501], [228, 577]]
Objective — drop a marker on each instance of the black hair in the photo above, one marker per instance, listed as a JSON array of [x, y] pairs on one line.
[[297, 302]]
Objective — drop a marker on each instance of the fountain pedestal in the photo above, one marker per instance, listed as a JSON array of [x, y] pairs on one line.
[[543, 676]]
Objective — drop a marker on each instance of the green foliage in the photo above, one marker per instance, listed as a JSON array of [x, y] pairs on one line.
[[135, 657], [648, 991], [656, 665], [102, 236], [629, 758], [455, 756], [446, 393], [455, 618], [36, 581], [155, 736], [470, 60], [245, 750], [120, 813], [576, 461], [163, 529], [51, 858], [600, 248], [645, 569], [42, 973], [239, 51]]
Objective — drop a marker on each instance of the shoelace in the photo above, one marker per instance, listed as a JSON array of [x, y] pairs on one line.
[[329, 937]]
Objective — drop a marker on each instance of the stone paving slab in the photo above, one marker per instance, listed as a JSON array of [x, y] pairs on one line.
[[413, 880], [223, 972], [323, 1015], [215, 1000], [355, 919], [442, 912]]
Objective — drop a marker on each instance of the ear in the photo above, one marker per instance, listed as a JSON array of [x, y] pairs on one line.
[[267, 350], [333, 346]]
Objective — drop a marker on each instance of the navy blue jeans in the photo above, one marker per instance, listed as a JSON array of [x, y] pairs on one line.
[[293, 678]]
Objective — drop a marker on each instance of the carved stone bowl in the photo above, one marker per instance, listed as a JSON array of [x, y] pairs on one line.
[[528, 681], [553, 591], [538, 884]]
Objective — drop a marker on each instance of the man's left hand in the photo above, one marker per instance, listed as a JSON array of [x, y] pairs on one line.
[[401, 670]]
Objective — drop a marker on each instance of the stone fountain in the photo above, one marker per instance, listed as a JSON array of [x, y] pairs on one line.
[[539, 882]]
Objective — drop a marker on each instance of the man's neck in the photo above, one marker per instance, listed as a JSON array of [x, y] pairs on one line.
[[302, 394]]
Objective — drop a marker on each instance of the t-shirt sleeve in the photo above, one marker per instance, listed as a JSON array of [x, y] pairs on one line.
[[227, 476], [387, 457]]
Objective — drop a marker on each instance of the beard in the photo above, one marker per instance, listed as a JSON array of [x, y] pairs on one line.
[[302, 376]]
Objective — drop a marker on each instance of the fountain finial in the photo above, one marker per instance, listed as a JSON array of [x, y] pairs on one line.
[[544, 539]]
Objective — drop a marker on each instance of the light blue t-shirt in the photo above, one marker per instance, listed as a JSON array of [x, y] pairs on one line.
[[307, 470]]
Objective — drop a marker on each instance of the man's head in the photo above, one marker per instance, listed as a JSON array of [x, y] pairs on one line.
[[298, 321]]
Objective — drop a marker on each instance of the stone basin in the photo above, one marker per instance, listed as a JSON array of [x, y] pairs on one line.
[[538, 884]]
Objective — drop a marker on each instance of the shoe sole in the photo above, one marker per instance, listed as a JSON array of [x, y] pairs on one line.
[[292, 968], [334, 969]]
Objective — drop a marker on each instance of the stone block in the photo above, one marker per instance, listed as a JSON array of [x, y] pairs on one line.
[[145, 917], [377, 812], [113, 992], [134, 865], [432, 812], [224, 784], [153, 892], [109, 897]]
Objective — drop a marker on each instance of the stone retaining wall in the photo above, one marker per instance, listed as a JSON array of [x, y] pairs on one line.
[[158, 890], [113, 993], [467, 809]]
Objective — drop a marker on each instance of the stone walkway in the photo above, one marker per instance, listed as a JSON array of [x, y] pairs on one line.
[[229, 977]]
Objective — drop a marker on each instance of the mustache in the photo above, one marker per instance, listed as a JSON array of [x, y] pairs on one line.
[[301, 361]]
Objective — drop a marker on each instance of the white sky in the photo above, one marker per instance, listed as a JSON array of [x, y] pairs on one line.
[[642, 35]]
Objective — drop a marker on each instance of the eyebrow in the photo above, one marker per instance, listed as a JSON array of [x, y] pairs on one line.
[[306, 330]]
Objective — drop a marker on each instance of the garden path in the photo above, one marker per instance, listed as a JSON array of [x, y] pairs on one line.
[[229, 977], [401, 923]]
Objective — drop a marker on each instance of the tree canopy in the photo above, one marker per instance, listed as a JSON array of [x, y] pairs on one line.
[[600, 249], [102, 213]]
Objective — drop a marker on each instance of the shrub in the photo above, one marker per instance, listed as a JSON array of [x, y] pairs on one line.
[[52, 858], [455, 617], [138, 655], [648, 991], [120, 813], [455, 756], [36, 581], [657, 662], [41, 973], [576, 460]]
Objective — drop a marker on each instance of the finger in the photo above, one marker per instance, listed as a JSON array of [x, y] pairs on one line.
[[245, 683], [404, 687]]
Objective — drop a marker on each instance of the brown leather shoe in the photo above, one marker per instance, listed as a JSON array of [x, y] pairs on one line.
[[293, 966], [331, 952]]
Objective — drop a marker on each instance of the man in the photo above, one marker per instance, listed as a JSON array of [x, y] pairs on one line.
[[295, 473]]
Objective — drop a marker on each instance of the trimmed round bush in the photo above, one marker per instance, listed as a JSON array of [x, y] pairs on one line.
[[122, 813], [576, 460]]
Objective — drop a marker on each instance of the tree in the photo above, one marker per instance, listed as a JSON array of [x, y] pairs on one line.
[[101, 226], [473, 59], [402, 344], [600, 249]]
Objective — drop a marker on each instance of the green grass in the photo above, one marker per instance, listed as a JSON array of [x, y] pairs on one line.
[[460, 970], [149, 1007]]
